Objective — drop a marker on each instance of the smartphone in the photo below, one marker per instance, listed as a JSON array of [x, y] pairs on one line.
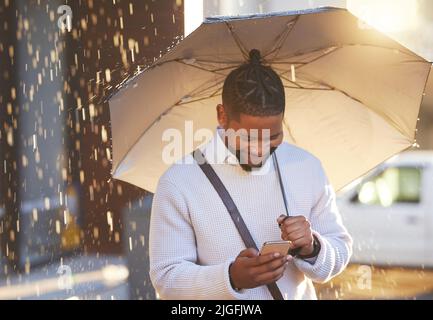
[[280, 246]]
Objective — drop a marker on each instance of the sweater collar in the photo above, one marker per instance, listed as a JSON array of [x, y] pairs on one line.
[[216, 152]]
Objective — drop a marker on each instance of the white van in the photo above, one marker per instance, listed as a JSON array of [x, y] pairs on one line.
[[389, 212]]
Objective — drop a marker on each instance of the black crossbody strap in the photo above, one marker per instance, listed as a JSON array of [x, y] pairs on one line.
[[234, 212]]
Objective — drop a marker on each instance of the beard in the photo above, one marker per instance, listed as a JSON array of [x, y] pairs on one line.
[[248, 167]]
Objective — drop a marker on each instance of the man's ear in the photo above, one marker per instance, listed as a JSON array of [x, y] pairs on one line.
[[222, 116]]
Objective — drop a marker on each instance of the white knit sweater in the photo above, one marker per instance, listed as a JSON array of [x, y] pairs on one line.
[[193, 239]]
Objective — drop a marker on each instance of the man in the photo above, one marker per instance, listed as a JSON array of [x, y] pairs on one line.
[[196, 251]]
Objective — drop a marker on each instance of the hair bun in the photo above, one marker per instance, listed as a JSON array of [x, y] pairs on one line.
[[255, 57]]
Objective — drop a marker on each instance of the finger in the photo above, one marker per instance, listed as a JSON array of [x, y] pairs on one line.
[[248, 253], [293, 227], [288, 231], [284, 216], [266, 258], [295, 235], [301, 224], [292, 220], [270, 266], [281, 218], [272, 276], [297, 238]]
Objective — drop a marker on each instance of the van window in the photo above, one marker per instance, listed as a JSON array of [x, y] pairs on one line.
[[392, 185]]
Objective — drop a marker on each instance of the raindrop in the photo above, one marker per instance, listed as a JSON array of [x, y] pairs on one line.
[[107, 75], [292, 71]]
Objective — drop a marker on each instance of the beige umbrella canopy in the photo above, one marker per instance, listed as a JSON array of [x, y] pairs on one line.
[[352, 93]]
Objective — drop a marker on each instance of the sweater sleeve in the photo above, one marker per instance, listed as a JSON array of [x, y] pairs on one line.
[[326, 223], [174, 271]]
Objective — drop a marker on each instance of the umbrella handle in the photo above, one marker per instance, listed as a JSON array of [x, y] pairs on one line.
[[292, 252]]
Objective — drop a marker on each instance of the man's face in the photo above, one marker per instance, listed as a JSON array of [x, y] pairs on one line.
[[253, 138]]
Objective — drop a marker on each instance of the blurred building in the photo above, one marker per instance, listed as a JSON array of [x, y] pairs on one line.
[[57, 199]]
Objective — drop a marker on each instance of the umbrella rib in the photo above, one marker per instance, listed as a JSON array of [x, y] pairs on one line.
[[197, 60], [315, 59], [213, 94], [321, 56], [289, 130], [332, 88], [292, 82], [382, 115], [199, 99], [305, 88], [225, 68], [299, 54], [281, 38], [415, 61], [238, 41], [298, 86], [379, 47], [226, 62], [334, 49], [283, 71], [156, 120], [340, 47], [423, 96], [290, 62], [199, 67], [192, 93], [215, 71]]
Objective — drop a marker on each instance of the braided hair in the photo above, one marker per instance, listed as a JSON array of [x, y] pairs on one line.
[[253, 89]]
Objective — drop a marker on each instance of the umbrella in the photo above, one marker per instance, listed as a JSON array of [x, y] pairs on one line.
[[352, 93]]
